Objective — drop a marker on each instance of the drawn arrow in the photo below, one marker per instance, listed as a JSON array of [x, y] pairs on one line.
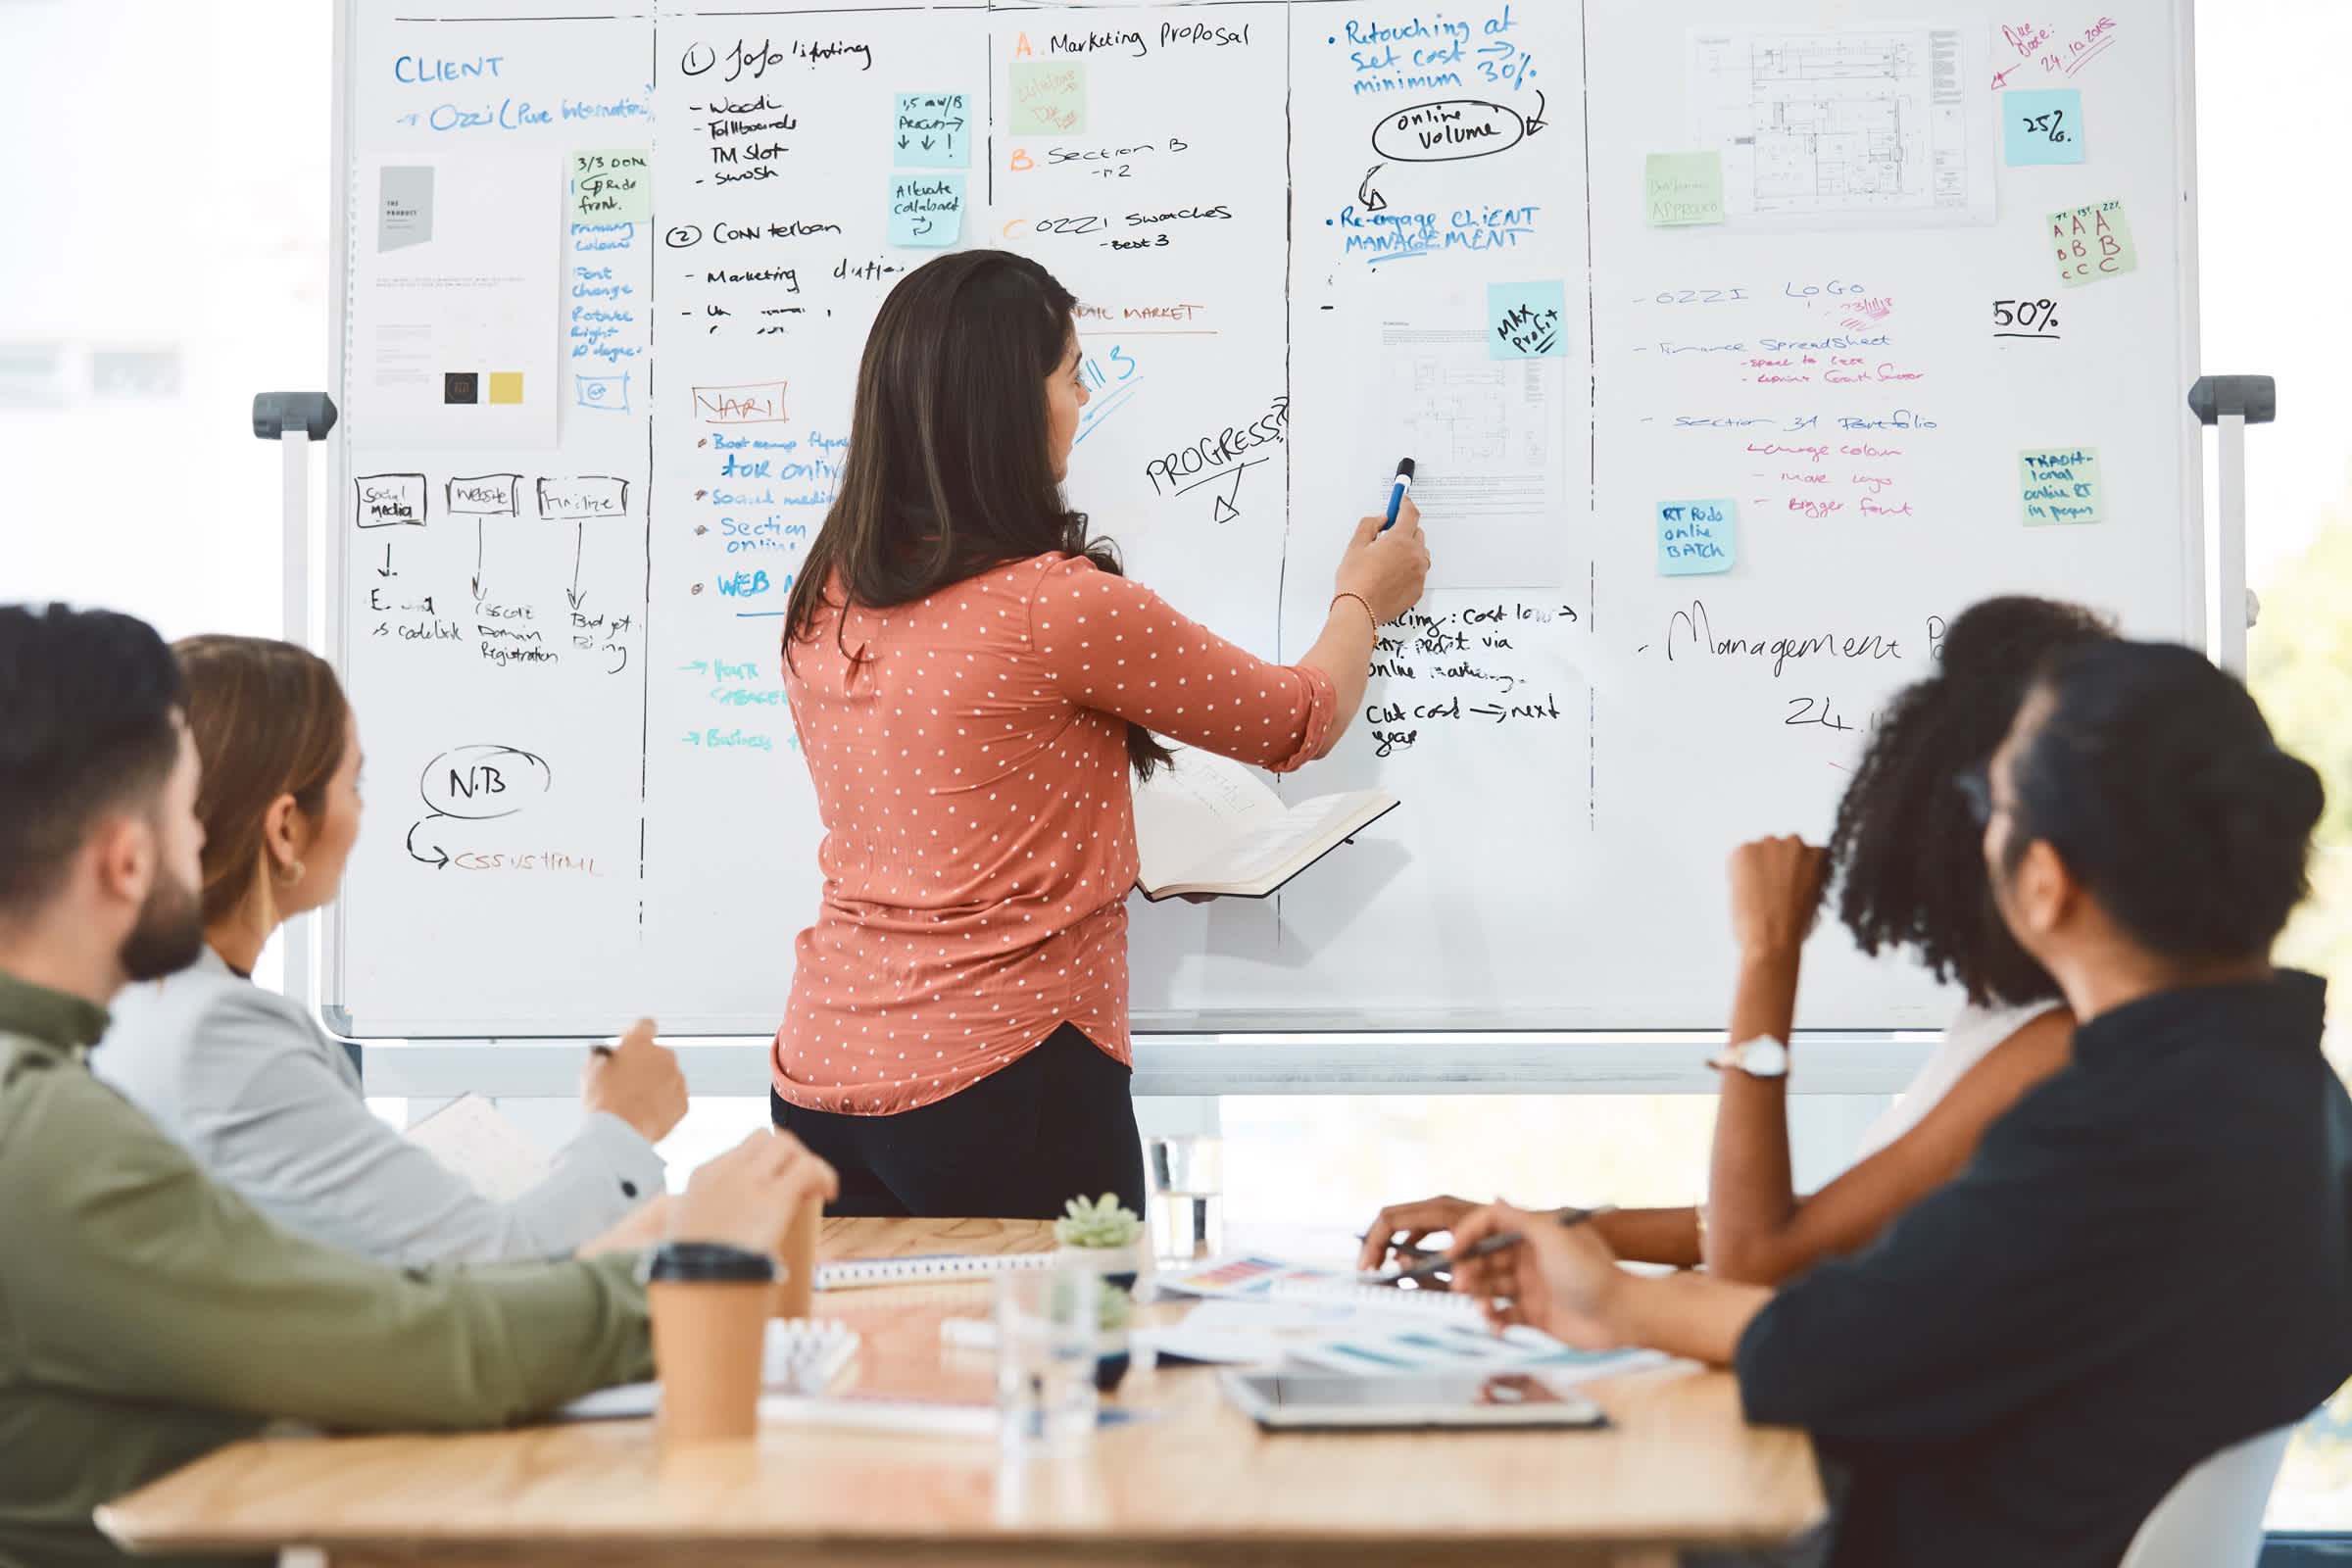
[[1535, 121], [580, 542], [477, 560], [1367, 197], [1223, 509], [438, 860], [386, 570]]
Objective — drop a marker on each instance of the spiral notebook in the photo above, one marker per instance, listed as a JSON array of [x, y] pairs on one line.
[[925, 1268]]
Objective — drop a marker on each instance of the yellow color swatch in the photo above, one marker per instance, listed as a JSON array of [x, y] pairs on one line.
[[506, 386]]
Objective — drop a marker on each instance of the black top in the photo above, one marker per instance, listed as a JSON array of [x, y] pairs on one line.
[[2147, 1260]]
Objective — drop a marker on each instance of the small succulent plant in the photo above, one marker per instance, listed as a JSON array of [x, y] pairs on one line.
[[1098, 1222], [1112, 1308]]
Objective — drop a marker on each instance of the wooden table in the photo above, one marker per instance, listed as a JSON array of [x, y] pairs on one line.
[[1199, 1484]]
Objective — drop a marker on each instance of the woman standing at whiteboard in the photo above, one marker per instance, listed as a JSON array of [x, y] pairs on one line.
[[972, 681]]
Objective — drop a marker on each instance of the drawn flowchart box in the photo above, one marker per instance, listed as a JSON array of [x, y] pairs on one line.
[[390, 500], [485, 495], [760, 403], [584, 496]]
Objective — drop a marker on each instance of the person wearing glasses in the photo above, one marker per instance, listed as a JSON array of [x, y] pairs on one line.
[[1905, 856], [2150, 1257]]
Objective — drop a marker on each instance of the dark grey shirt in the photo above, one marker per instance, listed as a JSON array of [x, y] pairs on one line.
[[2147, 1260]]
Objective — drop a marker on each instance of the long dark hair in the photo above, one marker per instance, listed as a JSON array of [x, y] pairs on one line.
[[948, 473], [1907, 854]]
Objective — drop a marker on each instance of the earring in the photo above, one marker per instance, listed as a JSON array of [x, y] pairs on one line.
[[287, 876]]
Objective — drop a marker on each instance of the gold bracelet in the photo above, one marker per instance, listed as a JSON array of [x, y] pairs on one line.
[[1698, 1212], [1368, 616]]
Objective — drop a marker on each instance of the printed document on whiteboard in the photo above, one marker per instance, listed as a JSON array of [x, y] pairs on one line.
[[1885, 127], [456, 303], [1487, 441]]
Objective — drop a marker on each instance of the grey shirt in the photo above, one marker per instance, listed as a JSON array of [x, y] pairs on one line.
[[269, 1102]]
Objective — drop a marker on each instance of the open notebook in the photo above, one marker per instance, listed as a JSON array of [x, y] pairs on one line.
[[497, 1158], [1205, 824]]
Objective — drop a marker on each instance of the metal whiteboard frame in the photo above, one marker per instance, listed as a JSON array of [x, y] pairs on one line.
[[1207, 1062], [1443, 1063]]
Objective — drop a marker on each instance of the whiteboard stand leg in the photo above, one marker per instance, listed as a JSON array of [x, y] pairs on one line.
[[2230, 403], [295, 420], [295, 447]]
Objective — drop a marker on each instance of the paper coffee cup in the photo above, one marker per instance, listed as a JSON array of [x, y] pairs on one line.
[[710, 1306]]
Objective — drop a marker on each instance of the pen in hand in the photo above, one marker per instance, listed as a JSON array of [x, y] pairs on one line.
[[1397, 486], [1426, 1264], [1441, 1261]]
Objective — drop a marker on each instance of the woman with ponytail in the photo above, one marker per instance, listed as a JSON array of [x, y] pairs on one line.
[[973, 682]]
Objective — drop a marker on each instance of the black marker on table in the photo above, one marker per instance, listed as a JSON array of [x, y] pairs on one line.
[[1397, 490]]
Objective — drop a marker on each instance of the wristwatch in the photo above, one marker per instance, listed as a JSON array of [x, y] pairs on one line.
[[1760, 1057]]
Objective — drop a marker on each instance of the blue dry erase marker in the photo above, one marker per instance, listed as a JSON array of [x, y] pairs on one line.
[[1396, 489]]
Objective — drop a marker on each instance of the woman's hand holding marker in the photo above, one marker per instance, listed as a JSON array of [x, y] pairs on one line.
[[1386, 568]]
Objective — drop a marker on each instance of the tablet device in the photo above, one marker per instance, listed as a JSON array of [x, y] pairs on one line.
[[1324, 1402]]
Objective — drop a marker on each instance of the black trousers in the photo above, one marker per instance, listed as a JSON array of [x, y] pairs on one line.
[[1058, 1124]]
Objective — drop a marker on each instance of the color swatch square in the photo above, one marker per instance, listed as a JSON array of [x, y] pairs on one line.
[[506, 386], [461, 386]]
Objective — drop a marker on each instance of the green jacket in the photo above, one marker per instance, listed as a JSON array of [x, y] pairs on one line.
[[149, 1315]]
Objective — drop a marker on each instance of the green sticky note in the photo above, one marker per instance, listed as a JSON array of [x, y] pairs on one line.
[[1681, 189], [2061, 484], [615, 187], [1049, 97], [2092, 243]]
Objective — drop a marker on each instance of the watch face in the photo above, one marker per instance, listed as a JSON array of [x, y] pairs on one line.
[[1765, 1058]]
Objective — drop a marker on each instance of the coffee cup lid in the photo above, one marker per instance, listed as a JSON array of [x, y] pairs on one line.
[[708, 1262]]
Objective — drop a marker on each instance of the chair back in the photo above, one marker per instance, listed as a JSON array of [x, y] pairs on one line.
[[2212, 1518]]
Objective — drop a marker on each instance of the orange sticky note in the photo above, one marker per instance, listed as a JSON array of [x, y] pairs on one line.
[[506, 386]]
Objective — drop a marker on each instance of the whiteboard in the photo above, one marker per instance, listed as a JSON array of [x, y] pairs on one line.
[[606, 279]]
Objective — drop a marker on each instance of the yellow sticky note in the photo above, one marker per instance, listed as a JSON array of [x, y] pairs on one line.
[[506, 386]]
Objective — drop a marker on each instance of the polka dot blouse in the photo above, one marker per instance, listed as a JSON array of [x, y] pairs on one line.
[[970, 762]]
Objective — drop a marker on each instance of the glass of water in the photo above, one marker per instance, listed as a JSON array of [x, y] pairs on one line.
[[1046, 1361]]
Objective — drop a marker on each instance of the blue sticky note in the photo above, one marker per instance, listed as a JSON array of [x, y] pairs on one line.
[[1696, 538], [926, 210], [2042, 125], [932, 131], [1527, 321]]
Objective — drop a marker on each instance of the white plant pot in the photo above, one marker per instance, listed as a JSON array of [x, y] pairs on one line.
[[1126, 1259]]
